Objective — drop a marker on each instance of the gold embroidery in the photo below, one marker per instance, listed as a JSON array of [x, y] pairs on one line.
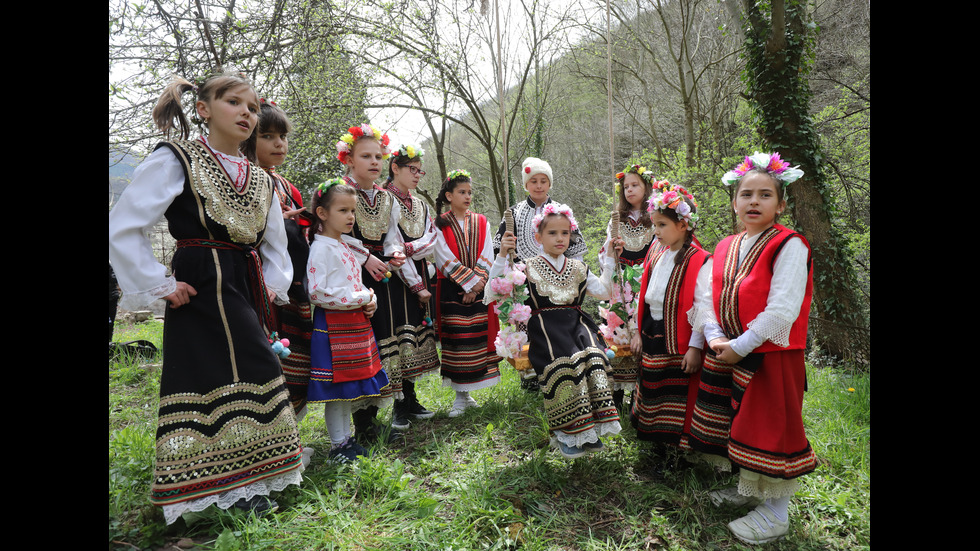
[[372, 220], [413, 220], [636, 236], [561, 287], [243, 214]]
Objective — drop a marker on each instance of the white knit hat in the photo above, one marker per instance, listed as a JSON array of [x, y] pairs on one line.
[[534, 165]]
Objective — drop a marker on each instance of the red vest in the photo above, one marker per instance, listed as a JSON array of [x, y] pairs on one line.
[[740, 295], [468, 257], [679, 297]]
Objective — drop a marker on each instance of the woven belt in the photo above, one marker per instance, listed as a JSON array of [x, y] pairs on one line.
[[558, 307]]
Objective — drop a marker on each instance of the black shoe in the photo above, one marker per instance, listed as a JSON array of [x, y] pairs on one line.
[[399, 415], [531, 384], [346, 453], [418, 411], [374, 433], [260, 505]]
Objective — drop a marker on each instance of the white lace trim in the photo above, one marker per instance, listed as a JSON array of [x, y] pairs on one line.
[[226, 500], [470, 387], [759, 485], [141, 299], [588, 436], [698, 317], [774, 329]]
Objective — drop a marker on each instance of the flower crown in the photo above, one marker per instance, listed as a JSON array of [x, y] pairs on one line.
[[669, 196], [322, 187], [409, 150], [264, 101], [554, 208], [354, 133], [453, 174], [771, 163], [641, 171]]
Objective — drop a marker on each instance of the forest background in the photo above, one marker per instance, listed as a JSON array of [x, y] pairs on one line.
[[696, 85]]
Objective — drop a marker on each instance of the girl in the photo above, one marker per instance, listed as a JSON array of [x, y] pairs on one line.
[[362, 150], [756, 323], [230, 263], [634, 188], [669, 349], [567, 351], [410, 290], [346, 371], [467, 327], [538, 179], [268, 147]]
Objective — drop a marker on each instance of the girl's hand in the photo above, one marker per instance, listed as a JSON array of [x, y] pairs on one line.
[[375, 267], [423, 296], [469, 298], [478, 288], [371, 307], [290, 214], [617, 248], [636, 344], [724, 351], [397, 259], [272, 295], [181, 296], [692, 361], [508, 243]]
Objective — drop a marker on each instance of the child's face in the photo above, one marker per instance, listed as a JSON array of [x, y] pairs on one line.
[[408, 176], [364, 162], [271, 148], [460, 197], [668, 231], [537, 187], [233, 116], [554, 234], [633, 189], [339, 217], [757, 202]]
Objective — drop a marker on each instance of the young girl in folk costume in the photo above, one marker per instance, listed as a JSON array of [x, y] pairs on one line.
[[467, 327], [538, 180], [363, 150], [410, 290], [566, 349], [346, 370], [229, 264], [633, 189], [267, 147], [670, 350], [756, 322]]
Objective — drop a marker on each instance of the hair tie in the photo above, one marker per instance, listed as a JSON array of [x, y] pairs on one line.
[[322, 187], [771, 163]]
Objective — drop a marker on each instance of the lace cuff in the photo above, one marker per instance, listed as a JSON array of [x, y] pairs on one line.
[[141, 299], [592, 435], [698, 317], [772, 328]]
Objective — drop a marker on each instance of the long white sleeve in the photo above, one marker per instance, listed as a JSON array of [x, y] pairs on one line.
[[157, 181], [334, 276], [277, 269]]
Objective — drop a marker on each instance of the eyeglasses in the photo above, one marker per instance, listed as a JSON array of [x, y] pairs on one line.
[[416, 170]]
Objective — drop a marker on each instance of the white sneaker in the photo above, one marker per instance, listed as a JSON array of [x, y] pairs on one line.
[[459, 407], [730, 496], [759, 526]]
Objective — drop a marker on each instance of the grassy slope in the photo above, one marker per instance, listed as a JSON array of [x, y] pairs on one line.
[[486, 480]]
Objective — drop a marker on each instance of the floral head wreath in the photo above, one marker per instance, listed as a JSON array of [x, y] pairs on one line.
[[555, 208], [641, 171], [771, 163], [323, 187], [354, 133], [669, 196], [410, 151], [269, 101], [453, 174]]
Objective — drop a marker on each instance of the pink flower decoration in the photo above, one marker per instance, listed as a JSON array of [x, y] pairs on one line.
[[520, 314]]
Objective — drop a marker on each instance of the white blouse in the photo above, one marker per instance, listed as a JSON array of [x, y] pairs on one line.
[[333, 276], [782, 304], [157, 181], [598, 287], [657, 288]]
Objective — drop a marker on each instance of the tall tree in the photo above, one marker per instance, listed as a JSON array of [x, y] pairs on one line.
[[779, 36]]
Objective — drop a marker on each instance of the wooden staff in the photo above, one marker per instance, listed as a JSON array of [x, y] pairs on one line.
[[509, 227], [614, 233]]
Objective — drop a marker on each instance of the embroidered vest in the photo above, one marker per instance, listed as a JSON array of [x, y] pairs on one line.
[[740, 293], [679, 297], [465, 241]]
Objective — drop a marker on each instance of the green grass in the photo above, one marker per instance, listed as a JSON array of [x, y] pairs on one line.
[[486, 480]]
